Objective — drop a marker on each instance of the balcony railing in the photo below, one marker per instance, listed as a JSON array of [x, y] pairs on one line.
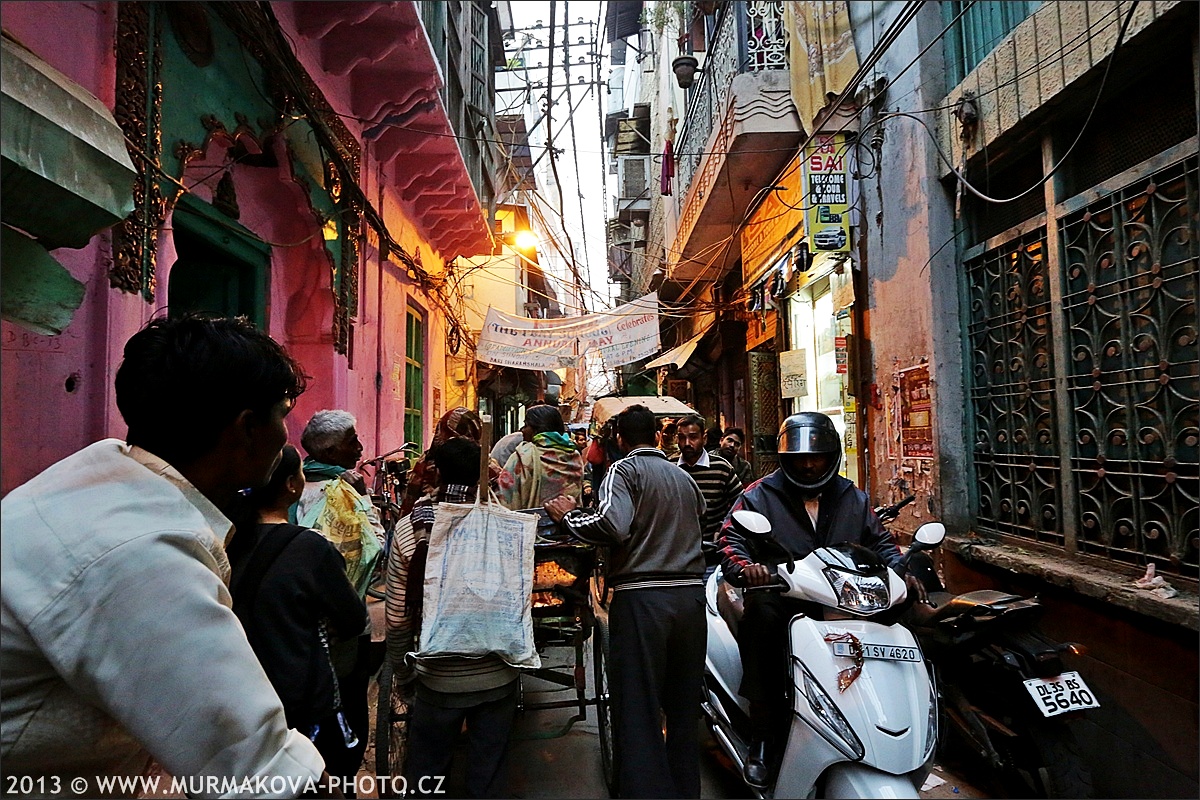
[[750, 37]]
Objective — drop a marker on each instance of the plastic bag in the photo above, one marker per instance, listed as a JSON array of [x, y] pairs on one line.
[[479, 585], [341, 517]]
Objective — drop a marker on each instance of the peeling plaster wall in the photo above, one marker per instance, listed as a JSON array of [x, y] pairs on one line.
[[911, 314]]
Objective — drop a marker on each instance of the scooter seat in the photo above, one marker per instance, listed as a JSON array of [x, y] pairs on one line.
[[730, 605], [965, 603]]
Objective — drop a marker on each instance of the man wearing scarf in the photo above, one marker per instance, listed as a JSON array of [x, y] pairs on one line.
[[547, 464], [355, 530]]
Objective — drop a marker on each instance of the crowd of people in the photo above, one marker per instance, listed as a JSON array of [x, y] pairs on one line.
[[205, 538]]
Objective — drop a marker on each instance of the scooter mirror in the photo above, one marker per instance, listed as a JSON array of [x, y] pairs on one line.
[[752, 522], [930, 534]]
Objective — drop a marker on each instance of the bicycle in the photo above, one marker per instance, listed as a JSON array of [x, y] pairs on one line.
[[388, 483]]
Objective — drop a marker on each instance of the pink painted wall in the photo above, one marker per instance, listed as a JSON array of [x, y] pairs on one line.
[[57, 391]]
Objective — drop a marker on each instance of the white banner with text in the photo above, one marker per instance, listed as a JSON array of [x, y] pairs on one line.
[[626, 334]]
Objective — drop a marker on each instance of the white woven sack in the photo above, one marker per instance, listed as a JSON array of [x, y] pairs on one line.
[[479, 585]]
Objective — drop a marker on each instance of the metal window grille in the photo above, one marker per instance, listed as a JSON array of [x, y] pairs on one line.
[[1129, 308], [1012, 370], [1131, 433], [977, 32]]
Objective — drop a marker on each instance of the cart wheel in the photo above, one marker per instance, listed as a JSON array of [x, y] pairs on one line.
[[603, 712], [391, 727], [600, 591]]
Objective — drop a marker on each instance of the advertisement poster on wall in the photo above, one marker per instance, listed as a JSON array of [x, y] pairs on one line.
[[827, 197], [916, 413]]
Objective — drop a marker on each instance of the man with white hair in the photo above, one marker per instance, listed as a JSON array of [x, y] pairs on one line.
[[336, 504]]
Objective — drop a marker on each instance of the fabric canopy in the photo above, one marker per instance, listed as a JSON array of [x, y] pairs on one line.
[[678, 356]]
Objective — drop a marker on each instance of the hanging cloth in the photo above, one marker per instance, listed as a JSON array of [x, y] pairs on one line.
[[668, 168]]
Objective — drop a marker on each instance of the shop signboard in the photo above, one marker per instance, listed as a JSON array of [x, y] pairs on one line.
[[827, 198], [916, 413], [793, 373]]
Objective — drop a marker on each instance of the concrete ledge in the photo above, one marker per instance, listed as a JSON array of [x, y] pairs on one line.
[[1088, 581]]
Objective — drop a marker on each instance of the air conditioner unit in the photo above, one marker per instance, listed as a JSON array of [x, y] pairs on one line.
[[637, 230], [620, 255], [633, 176]]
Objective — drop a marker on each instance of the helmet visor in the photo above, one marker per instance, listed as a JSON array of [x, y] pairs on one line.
[[809, 439], [810, 471]]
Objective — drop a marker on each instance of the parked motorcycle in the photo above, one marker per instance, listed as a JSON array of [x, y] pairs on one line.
[[1005, 694], [864, 721]]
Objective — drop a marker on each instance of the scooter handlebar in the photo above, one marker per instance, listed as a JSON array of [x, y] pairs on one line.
[[776, 585], [886, 513]]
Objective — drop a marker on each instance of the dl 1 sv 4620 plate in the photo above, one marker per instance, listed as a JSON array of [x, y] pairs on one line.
[[884, 652], [1063, 693]]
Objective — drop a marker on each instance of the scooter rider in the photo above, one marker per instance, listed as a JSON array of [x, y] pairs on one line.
[[809, 505]]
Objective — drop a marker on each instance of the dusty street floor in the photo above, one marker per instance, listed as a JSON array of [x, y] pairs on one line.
[[546, 762]]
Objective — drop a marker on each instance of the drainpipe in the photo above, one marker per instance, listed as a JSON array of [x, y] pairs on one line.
[[381, 258]]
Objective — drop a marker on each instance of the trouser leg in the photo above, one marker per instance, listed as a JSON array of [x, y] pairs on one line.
[[636, 677], [432, 731], [489, 726], [682, 689], [762, 642]]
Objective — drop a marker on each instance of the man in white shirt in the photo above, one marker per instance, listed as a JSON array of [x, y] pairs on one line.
[[119, 644]]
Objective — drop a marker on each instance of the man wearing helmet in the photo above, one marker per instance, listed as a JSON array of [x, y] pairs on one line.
[[809, 506]]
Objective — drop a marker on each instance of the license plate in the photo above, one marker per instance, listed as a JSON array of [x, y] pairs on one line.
[[884, 652], [1058, 695]]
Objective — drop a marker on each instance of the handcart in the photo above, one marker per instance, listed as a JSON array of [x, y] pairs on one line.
[[567, 610]]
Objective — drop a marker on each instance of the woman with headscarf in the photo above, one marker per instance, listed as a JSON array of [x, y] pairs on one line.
[[423, 478], [547, 464]]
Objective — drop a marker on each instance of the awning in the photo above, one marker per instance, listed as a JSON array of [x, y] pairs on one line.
[[623, 18], [678, 356], [66, 172]]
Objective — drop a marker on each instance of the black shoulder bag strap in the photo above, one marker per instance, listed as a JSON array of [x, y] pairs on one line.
[[272, 544]]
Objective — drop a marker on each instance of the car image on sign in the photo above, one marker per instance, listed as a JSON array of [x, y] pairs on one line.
[[832, 237]]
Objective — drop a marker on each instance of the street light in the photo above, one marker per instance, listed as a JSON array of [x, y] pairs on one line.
[[525, 240], [685, 69]]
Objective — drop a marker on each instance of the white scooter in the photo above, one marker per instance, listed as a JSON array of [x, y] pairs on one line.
[[864, 708]]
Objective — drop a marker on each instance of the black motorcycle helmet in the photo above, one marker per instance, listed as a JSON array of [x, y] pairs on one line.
[[809, 433]]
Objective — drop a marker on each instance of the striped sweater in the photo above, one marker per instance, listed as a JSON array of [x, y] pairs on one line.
[[719, 483]]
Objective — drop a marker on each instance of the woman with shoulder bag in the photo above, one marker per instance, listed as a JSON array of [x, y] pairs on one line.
[[292, 595]]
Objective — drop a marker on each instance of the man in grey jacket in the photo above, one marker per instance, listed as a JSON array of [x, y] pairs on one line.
[[649, 515]]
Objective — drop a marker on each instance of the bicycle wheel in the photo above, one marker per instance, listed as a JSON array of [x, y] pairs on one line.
[[391, 727], [603, 711]]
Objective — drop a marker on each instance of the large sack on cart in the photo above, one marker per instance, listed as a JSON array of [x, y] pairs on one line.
[[479, 584]]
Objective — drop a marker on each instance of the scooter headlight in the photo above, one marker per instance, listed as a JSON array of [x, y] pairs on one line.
[[858, 594], [827, 711]]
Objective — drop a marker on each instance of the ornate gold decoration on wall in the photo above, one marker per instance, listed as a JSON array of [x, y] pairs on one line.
[[139, 113], [345, 311]]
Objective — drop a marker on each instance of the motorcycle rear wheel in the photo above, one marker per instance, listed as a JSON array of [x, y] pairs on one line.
[[1048, 761]]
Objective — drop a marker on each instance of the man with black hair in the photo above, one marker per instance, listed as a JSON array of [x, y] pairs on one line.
[[714, 475], [730, 448], [649, 515], [119, 643]]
